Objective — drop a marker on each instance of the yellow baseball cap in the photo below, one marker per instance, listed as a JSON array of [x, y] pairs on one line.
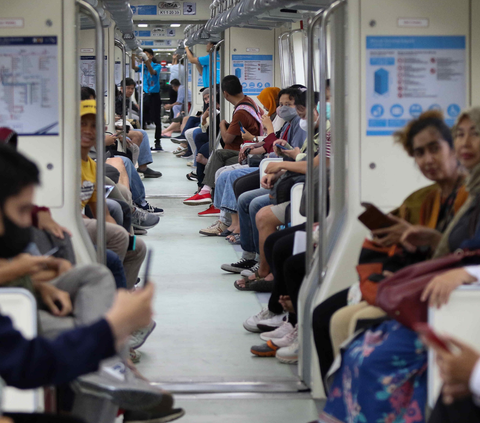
[[88, 107]]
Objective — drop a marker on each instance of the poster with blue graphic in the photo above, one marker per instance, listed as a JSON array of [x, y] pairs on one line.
[[407, 75], [255, 71]]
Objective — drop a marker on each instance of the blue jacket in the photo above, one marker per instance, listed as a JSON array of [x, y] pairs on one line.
[[27, 364]]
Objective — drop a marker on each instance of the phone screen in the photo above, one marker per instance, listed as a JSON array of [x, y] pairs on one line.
[[283, 147], [241, 127]]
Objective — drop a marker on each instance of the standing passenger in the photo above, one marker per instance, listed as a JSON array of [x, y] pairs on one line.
[[203, 64]]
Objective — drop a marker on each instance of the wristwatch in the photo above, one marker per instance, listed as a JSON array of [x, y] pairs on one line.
[[255, 139]]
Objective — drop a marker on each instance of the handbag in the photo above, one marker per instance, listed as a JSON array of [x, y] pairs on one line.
[[399, 295], [280, 193]]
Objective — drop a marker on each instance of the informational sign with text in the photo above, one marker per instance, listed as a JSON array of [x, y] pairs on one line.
[[407, 75], [88, 73], [29, 85], [255, 72]]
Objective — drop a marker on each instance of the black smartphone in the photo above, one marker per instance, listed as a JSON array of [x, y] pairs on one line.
[[284, 147], [241, 127], [147, 267]]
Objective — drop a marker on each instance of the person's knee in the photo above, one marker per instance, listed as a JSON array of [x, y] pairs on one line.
[[264, 218], [93, 274], [118, 239], [116, 162]]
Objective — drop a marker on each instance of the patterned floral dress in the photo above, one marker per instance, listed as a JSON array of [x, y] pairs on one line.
[[382, 379]]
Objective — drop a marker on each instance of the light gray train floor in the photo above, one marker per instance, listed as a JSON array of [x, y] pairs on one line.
[[199, 341]]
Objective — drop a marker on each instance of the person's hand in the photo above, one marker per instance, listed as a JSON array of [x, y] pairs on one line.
[[46, 223], [26, 264], [386, 237], [247, 136], [130, 311], [438, 291], [420, 236], [242, 154], [268, 181], [263, 182], [110, 139], [223, 124], [267, 124], [293, 153], [167, 106], [274, 167], [57, 301], [117, 118], [63, 266]]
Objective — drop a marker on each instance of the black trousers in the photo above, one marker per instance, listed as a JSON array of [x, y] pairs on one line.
[[152, 108], [321, 328], [42, 418], [461, 411], [278, 253], [246, 183]]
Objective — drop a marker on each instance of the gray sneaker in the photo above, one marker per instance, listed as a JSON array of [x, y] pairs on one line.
[[143, 220]]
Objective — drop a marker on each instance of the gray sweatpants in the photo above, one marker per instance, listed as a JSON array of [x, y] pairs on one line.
[[217, 160]]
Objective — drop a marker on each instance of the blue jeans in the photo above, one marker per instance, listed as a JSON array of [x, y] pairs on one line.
[[136, 184], [115, 266], [192, 122], [249, 203], [224, 195], [145, 154]]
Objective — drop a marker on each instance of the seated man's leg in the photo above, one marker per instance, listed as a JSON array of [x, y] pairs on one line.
[[246, 230], [136, 184], [115, 211], [257, 203], [177, 109], [204, 153], [117, 237], [192, 122], [119, 164], [217, 160]]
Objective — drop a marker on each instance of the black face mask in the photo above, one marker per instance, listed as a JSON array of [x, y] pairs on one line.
[[14, 240]]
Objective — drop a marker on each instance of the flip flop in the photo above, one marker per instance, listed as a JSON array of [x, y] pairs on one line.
[[236, 239], [259, 285], [226, 233]]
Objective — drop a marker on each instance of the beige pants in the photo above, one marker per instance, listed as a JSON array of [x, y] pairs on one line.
[[117, 241], [344, 321]]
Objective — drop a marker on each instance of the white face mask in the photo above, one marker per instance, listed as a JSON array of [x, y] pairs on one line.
[[303, 124]]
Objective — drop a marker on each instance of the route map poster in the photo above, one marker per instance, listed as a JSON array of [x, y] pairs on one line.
[[29, 85], [407, 75], [255, 72], [88, 73]]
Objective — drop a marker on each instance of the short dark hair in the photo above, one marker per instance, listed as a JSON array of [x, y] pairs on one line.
[[128, 82], [292, 92], [231, 84], [86, 93], [148, 50], [175, 82], [16, 173], [301, 98]]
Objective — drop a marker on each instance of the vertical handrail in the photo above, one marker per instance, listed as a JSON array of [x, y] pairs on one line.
[[223, 57], [292, 54], [211, 140], [215, 52], [282, 58], [124, 94], [185, 78], [100, 128], [141, 97], [307, 289], [310, 134]]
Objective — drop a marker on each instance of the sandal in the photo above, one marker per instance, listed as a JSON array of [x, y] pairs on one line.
[[235, 240], [226, 233], [258, 285]]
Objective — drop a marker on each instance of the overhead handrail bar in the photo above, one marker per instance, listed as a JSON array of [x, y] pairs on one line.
[[120, 45], [99, 126], [214, 83], [212, 117]]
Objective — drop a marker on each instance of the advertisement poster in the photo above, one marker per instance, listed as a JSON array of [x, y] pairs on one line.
[[255, 72], [29, 85], [407, 75]]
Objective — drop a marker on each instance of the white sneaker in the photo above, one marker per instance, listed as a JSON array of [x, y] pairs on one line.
[[278, 333], [251, 323], [287, 340], [288, 355], [138, 338], [272, 323]]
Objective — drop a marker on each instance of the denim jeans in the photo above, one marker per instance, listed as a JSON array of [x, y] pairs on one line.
[[145, 154], [249, 203], [136, 184], [192, 122], [224, 194]]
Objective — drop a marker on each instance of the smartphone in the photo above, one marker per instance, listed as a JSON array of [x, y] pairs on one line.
[[241, 127], [108, 190], [426, 330], [284, 147], [373, 218], [147, 267], [51, 252]]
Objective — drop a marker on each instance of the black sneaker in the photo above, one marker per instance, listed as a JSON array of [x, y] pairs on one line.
[[192, 176], [179, 139], [153, 416], [158, 146], [151, 209], [239, 266], [150, 173]]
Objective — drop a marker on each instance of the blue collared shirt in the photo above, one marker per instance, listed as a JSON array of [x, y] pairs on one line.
[[151, 83]]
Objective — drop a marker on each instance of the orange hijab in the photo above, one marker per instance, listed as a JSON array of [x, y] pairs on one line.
[[268, 97]]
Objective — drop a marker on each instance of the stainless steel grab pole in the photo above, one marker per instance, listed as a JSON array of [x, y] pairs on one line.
[[100, 128], [215, 52], [310, 134], [185, 77], [142, 91], [120, 45], [223, 56], [211, 108], [282, 59]]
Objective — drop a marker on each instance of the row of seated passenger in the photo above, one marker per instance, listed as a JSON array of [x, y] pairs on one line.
[[380, 370], [92, 318]]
